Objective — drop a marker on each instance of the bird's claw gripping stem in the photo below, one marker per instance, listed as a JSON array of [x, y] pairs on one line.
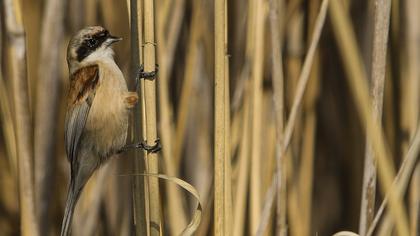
[[150, 148], [150, 75], [142, 145]]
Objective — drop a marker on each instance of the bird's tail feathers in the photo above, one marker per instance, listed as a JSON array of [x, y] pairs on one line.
[[72, 197]]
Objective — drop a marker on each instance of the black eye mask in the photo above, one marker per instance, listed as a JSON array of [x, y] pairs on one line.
[[90, 44]]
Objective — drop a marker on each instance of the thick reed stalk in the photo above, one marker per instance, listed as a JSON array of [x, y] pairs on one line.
[[46, 112], [256, 113], [228, 161], [22, 116], [150, 108], [138, 182], [222, 209], [380, 41]]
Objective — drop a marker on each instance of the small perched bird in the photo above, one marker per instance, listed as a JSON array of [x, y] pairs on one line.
[[98, 106]]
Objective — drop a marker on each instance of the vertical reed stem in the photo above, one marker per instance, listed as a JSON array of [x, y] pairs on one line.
[[138, 184], [47, 104], [22, 116], [150, 106], [221, 160], [380, 42], [278, 97], [256, 113]]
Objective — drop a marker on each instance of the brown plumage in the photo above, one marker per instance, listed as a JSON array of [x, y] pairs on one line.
[[82, 82], [98, 104], [131, 99]]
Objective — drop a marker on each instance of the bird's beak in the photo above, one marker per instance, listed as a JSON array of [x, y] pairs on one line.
[[112, 39]]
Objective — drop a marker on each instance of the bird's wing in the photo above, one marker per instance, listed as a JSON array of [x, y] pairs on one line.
[[83, 84]]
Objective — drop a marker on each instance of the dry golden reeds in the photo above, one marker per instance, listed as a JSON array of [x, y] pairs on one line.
[[382, 13], [358, 83], [46, 110], [22, 116], [150, 108], [274, 119], [222, 179], [139, 185]]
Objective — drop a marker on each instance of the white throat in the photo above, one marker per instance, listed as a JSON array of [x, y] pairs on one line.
[[104, 54]]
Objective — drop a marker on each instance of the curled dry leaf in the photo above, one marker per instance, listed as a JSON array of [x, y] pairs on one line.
[[195, 221]]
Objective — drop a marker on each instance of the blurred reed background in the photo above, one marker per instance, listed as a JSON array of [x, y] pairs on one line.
[[310, 128]]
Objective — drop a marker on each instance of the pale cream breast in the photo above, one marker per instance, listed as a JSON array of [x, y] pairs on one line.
[[107, 122]]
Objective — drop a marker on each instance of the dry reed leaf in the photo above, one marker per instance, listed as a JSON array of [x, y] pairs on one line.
[[196, 219]]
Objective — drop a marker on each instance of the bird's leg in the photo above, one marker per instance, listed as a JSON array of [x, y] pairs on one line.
[[149, 75], [142, 145], [127, 147], [150, 148]]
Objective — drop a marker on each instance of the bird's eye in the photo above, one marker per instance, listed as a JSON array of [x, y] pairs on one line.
[[91, 43]]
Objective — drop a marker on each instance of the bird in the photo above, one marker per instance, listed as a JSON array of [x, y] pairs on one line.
[[98, 107]]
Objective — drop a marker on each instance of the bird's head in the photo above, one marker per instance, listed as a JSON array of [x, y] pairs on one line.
[[89, 45]]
